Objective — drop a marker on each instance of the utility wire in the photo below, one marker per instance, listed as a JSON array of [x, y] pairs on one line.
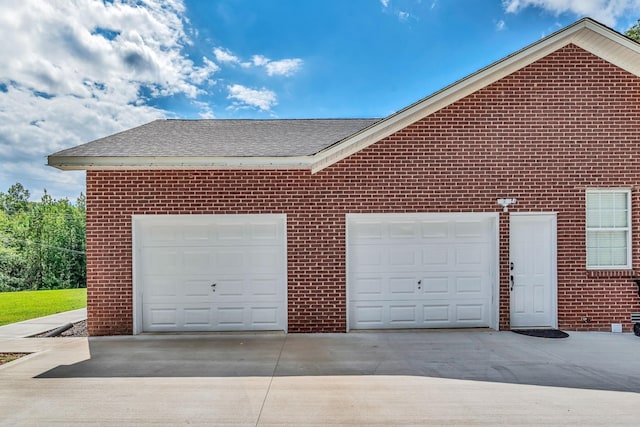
[[31, 242]]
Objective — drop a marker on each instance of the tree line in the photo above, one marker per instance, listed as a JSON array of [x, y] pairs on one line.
[[43, 242]]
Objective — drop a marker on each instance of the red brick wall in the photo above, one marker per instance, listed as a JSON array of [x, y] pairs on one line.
[[542, 135]]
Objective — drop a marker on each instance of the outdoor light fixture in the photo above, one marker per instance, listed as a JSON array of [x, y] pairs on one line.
[[505, 204]]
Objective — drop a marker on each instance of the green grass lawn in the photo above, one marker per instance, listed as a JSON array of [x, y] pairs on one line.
[[18, 306]]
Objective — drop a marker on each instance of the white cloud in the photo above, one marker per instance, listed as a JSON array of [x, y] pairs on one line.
[[406, 10], [606, 11], [224, 55], [73, 71], [76, 70], [259, 60], [203, 74], [245, 97], [284, 67], [501, 25], [205, 110]]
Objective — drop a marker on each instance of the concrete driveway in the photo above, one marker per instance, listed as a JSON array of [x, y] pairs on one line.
[[403, 378]]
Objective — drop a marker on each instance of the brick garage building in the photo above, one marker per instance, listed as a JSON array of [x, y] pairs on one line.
[[507, 200]]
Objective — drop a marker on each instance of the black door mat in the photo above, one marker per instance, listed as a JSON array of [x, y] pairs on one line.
[[542, 333]]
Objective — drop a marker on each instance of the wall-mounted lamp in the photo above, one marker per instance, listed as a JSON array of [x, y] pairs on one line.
[[505, 204]]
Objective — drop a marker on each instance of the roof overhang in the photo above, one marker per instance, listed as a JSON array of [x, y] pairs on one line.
[[120, 163], [586, 34]]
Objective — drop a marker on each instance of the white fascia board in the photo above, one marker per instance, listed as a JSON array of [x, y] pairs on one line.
[[586, 34], [128, 163], [610, 46]]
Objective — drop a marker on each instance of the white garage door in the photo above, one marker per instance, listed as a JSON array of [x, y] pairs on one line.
[[422, 270], [210, 272]]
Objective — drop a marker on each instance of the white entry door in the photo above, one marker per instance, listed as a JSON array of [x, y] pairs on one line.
[[421, 270], [532, 246], [210, 272]]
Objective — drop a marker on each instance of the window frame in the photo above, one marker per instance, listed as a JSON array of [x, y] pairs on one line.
[[629, 265]]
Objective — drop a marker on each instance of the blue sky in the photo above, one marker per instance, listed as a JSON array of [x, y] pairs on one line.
[[74, 71]]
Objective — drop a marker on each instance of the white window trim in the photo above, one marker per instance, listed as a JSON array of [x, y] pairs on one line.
[[629, 264]]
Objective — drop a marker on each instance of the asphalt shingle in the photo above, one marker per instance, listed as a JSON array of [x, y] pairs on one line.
[[222, 138]]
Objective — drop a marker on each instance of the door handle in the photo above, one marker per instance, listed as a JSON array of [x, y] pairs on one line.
[[419, 284], [511, 267], [213, 287]]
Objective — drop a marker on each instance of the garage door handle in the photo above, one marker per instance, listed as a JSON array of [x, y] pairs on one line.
[[512, 281], [419, 284], [213, 287]]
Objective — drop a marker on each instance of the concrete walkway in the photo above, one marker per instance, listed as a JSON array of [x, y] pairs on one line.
[[39, 325], [393, 378]]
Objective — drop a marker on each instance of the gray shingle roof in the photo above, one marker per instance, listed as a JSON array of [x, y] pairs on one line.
[[222, 138]]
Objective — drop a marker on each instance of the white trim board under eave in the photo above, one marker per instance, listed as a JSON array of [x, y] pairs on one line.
[[201, 163]]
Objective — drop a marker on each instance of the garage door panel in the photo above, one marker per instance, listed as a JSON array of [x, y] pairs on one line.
[[470, 313], [266, 233], [161, 317], [409, 314], [245, 233], [366, 231], [163, 287], [265, 317], [161, 235], [228, 260], [200, 317], [367, 258], [402, 285], [403, 315], [162, 261], [196, 234], [264, 288], [434, 286], [465, 286], [197, 261], [229, 289], [403, 230], [230, 316], [436, 314], [435, 255], [427, 270], [367, 287], [470, 230], [199, 289], [368, 316], [402, 256], [435, 230], [470, 256], [265, 260], [179, 258], [372, 288], [230, 233]]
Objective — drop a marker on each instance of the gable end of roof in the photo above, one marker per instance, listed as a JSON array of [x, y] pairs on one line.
[[586, 34]]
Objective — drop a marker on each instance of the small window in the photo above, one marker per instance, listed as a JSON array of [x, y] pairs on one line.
[[608, 229]]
